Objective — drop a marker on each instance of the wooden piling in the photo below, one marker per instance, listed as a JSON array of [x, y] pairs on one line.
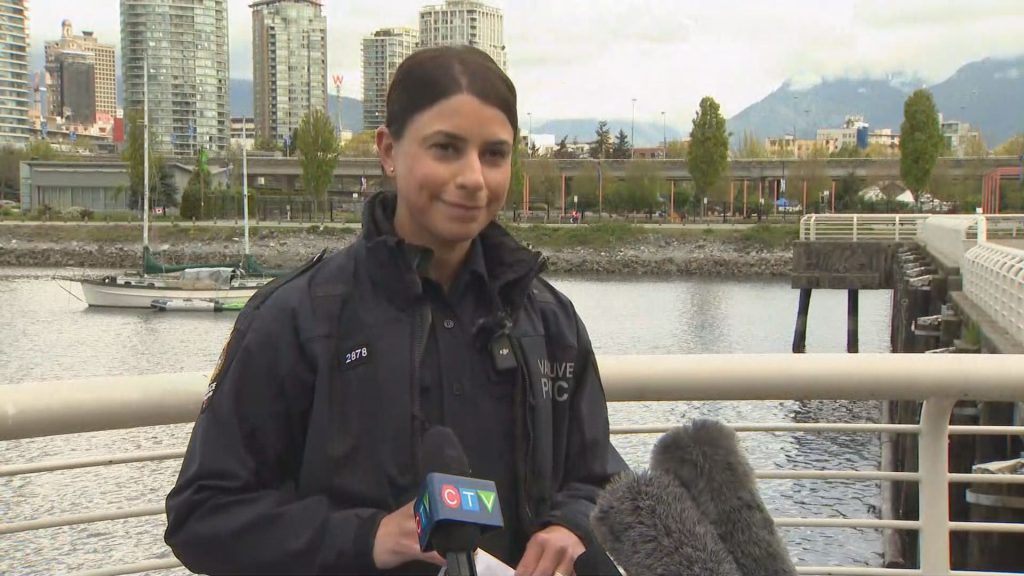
[[852, 326], [800, 334]]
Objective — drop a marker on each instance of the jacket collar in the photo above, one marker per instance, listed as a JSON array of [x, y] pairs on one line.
[[396, 266]]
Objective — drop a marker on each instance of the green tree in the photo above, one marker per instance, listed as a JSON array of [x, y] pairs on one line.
[[708, 156], [1012, 147], [515, 186], [601, 147], [266, 144], [848, 151], [317, 144], [10, 172], [563, 152], [878, 150], [164, 191], [921, 140], [361, 145], [814, 172], [751, 147], [584, 186], [678, 149], [545, 184], [622, 148], [135, 155], [40, 150], [191, 200], [975, 146], [640, 188]]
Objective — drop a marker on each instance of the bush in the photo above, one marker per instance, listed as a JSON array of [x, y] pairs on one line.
[[44, 212], [78, 213]]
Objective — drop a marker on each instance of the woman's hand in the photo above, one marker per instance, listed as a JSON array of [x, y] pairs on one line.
[[397, 542], [551, 552]]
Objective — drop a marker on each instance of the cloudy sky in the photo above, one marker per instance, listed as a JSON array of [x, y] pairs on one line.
[[590, 58]]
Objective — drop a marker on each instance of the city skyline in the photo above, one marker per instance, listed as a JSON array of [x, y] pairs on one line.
[[578, 59]]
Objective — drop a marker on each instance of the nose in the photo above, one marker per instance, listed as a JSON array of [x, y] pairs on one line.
[[471, 174]]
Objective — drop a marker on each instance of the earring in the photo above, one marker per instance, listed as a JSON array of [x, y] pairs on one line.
[[392, 170]]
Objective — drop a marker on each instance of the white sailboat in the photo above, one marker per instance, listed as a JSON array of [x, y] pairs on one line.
[[188, 288]]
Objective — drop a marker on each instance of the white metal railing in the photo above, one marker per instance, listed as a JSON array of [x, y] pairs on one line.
[[999, 227], [861, 227], [993, 278], [53, 408]]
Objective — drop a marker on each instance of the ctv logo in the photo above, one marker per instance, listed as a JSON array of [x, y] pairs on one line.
[[466, 499]]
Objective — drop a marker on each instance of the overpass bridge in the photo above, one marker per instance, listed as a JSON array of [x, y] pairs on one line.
[[836, 168]]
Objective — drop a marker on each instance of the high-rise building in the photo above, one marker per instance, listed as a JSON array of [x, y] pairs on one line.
[[185, 43], [460, 22], [382, 53], [72, 81], [14, 77], [104, 69], [289, 60]]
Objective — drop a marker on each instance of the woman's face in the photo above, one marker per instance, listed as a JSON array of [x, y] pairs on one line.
[[452, 168]]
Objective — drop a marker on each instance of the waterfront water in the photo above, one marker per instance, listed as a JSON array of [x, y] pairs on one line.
[[45, 333]]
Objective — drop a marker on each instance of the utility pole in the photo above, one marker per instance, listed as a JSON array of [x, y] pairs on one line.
[[664, 137], [338, 80], [632, 133]]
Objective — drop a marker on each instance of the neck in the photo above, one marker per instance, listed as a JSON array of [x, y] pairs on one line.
[[446, 263], [447, 257]]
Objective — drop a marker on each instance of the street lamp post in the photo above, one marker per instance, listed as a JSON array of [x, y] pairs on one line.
[[632, 132], [795, 100], [664, 137]]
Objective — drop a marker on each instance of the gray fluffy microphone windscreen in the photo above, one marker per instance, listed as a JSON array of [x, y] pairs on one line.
[[697, 511]]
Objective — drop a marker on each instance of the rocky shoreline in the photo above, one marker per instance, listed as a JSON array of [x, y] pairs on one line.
[[650, 256]]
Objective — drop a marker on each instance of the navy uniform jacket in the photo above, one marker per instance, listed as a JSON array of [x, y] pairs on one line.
[[309, 435]]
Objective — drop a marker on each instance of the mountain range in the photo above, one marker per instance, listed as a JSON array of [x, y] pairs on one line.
[[989, 94]]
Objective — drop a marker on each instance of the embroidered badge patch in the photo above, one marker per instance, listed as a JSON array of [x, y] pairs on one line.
[[208, 396], [355, 357]]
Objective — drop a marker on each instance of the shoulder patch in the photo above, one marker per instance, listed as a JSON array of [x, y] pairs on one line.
[[209, 394]]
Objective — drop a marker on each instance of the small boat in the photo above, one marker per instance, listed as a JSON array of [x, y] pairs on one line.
[[226, 286], [177, 287]]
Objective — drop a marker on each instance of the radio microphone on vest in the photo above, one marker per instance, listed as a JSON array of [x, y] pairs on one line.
[[453, 509]]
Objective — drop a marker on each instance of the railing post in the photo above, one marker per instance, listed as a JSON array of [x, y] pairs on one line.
[[933, 491], [854, 227], [897, 227]]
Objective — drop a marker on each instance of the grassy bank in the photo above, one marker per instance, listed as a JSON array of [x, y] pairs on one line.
[[593, 236], [607, 235]]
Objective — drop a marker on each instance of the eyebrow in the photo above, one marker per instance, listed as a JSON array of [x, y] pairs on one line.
[[461, 139]]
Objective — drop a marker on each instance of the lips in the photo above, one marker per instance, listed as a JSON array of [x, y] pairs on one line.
[[463, 210]]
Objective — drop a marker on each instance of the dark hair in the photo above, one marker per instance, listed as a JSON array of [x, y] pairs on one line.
[[431, 75]]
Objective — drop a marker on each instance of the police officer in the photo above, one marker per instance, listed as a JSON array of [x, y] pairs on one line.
[[306, 455]]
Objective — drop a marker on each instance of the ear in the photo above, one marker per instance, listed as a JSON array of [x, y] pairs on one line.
[[386, 150]]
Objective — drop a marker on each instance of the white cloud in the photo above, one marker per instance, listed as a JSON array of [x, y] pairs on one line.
[[576, 58]]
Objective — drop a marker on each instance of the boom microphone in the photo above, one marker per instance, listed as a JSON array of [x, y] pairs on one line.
[[453, 508], [649, 524], [706, 460]]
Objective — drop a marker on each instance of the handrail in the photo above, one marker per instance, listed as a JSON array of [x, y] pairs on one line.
[[861, 227], [993, 278], [118, 402], [937, 380]]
